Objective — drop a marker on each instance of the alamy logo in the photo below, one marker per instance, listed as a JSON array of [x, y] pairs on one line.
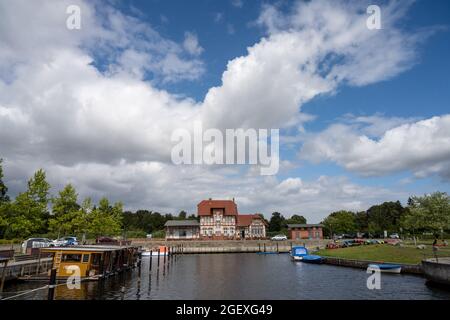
[[374, 280], [240, 146], [73, 22], [373, 22], [74, 280]]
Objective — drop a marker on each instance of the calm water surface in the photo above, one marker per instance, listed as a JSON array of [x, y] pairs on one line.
[[240, 276]]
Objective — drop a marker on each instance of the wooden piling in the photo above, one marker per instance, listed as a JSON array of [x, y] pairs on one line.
[[264, 247], [278, 251], [158, 257], [151, 257], [39, 262], [5, 264], [51, 285]]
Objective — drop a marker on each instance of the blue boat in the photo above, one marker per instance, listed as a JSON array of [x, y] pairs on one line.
[[310, 258], [298, 253], [385, 267]]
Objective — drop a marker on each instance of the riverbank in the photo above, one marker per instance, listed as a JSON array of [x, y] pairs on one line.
[[384, 253]]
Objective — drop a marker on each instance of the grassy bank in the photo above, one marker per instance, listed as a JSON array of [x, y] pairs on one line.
[[384, 253]]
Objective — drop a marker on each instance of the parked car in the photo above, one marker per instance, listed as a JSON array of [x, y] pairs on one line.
[[65, 241], [394, 236], [30, 243], [279, 237]]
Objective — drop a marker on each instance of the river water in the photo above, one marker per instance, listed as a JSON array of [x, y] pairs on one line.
[[239, 276]]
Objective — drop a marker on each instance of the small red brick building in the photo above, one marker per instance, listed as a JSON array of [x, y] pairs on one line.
[[305, 231]]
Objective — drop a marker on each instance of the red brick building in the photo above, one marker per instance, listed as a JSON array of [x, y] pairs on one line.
[[219, 219], [305, 231]]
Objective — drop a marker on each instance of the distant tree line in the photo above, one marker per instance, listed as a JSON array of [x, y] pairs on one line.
[[423, 214]]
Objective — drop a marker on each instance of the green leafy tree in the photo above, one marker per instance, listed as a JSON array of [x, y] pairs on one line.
[[385, 216], [4, 203], [182, 215], [3, 189], [296, 219], [29, 212], [105, 219], [428, 213], [340, 222], [277, 222], [65, 220]]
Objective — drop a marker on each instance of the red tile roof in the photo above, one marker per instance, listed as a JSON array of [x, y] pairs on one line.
[[204, 207], [246, 219]]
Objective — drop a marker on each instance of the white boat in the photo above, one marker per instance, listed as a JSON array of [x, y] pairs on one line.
[[163, 251], [385, 267]]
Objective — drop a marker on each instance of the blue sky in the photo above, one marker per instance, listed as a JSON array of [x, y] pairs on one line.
[[96, 107]]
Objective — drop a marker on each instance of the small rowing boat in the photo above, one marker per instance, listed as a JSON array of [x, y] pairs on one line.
[[385, 267]]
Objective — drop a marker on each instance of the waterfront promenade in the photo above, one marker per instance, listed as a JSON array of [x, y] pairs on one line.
[[230, 246]]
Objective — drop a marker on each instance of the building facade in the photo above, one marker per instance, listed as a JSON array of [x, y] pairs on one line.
[[220, 220], [305, 231], [182, 230]]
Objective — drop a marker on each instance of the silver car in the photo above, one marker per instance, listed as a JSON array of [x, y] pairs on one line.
[[279, 237]]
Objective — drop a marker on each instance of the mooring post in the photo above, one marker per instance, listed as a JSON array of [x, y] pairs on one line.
[[158, 257], [277, 248], [259, 247], [52, 284], [5, 264], [151, 257], [39, 262], [264, 247]]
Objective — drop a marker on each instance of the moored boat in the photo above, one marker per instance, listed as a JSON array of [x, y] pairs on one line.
[[385, 267], [297, 253], [160, 251], [310, 258]]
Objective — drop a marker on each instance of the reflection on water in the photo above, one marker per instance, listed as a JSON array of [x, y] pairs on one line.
[[240, 276]]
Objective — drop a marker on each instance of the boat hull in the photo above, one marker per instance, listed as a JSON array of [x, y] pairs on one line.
[[312, 259], [385, 268], [148, 254]]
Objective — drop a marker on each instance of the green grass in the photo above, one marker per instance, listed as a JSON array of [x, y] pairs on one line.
[[384, 253]]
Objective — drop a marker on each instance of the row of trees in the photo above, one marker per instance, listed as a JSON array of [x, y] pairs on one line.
[[428, 213], [144, 222], [29, 213]]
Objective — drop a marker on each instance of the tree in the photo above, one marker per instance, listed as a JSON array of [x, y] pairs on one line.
[[362, 221], [385, 216], [29, 212], [429, 212], [340, 222], [182, 215], [277, 222], [296, 219], [3, 189], [106, 219], [65, 212]]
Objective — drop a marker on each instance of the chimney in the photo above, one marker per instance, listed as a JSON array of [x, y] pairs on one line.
[[210, 199], [233, 199]]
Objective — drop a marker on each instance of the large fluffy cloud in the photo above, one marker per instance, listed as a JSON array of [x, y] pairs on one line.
[[422, 147], [308, 51]]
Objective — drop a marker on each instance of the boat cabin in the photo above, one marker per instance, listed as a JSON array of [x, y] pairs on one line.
[[92, 261]]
